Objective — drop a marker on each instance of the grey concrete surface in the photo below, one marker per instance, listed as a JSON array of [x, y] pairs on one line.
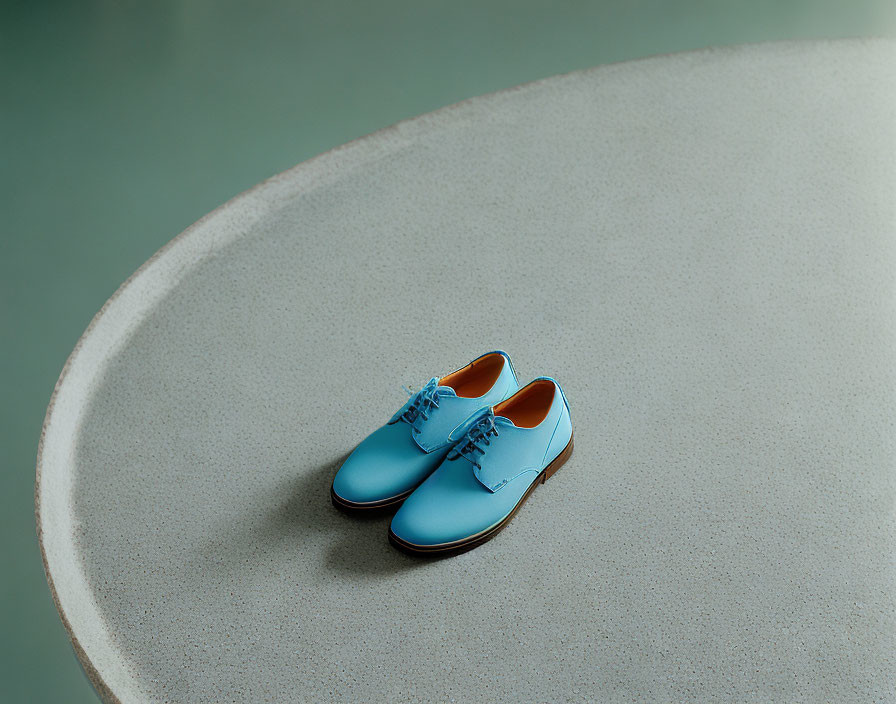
[[701, 248]]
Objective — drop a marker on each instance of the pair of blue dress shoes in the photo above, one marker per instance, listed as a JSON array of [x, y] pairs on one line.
[[461, 456]]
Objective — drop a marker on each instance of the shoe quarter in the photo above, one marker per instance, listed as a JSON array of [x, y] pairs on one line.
[[504, 387], [513, 452]]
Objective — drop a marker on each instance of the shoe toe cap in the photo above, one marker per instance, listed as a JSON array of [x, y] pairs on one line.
[[426, 521], [421, 528], [357, 483], [452, 506], [385, 465]]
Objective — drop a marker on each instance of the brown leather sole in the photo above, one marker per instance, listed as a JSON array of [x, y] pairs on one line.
[[474, 541], [367, 508]]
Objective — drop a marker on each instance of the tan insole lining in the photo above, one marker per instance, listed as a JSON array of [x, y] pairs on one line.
[[475, 379], [528, 407]]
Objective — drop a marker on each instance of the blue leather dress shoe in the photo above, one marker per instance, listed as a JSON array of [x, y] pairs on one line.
[[392, 461], [487, 476]]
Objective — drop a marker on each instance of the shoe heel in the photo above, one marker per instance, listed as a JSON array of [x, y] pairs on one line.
[[558, 462]]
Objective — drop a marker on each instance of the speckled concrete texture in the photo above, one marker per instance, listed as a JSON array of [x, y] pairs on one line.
[[701, 248]]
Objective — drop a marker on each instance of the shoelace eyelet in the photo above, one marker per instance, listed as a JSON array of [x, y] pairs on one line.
[[422, 404], [469, 446]]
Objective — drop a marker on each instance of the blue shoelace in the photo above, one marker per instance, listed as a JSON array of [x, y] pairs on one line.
[[425, 401], [469, 447]]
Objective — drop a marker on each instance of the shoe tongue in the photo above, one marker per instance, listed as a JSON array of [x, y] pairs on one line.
[[504, 420]]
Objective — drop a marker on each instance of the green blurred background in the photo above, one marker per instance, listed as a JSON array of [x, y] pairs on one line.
[[121, 123]]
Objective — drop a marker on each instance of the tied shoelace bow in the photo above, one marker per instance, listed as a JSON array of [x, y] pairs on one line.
[[470, 447], [424, 402]]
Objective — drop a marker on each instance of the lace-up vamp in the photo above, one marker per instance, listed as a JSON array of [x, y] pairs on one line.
[[424, 402], [474, 444]]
